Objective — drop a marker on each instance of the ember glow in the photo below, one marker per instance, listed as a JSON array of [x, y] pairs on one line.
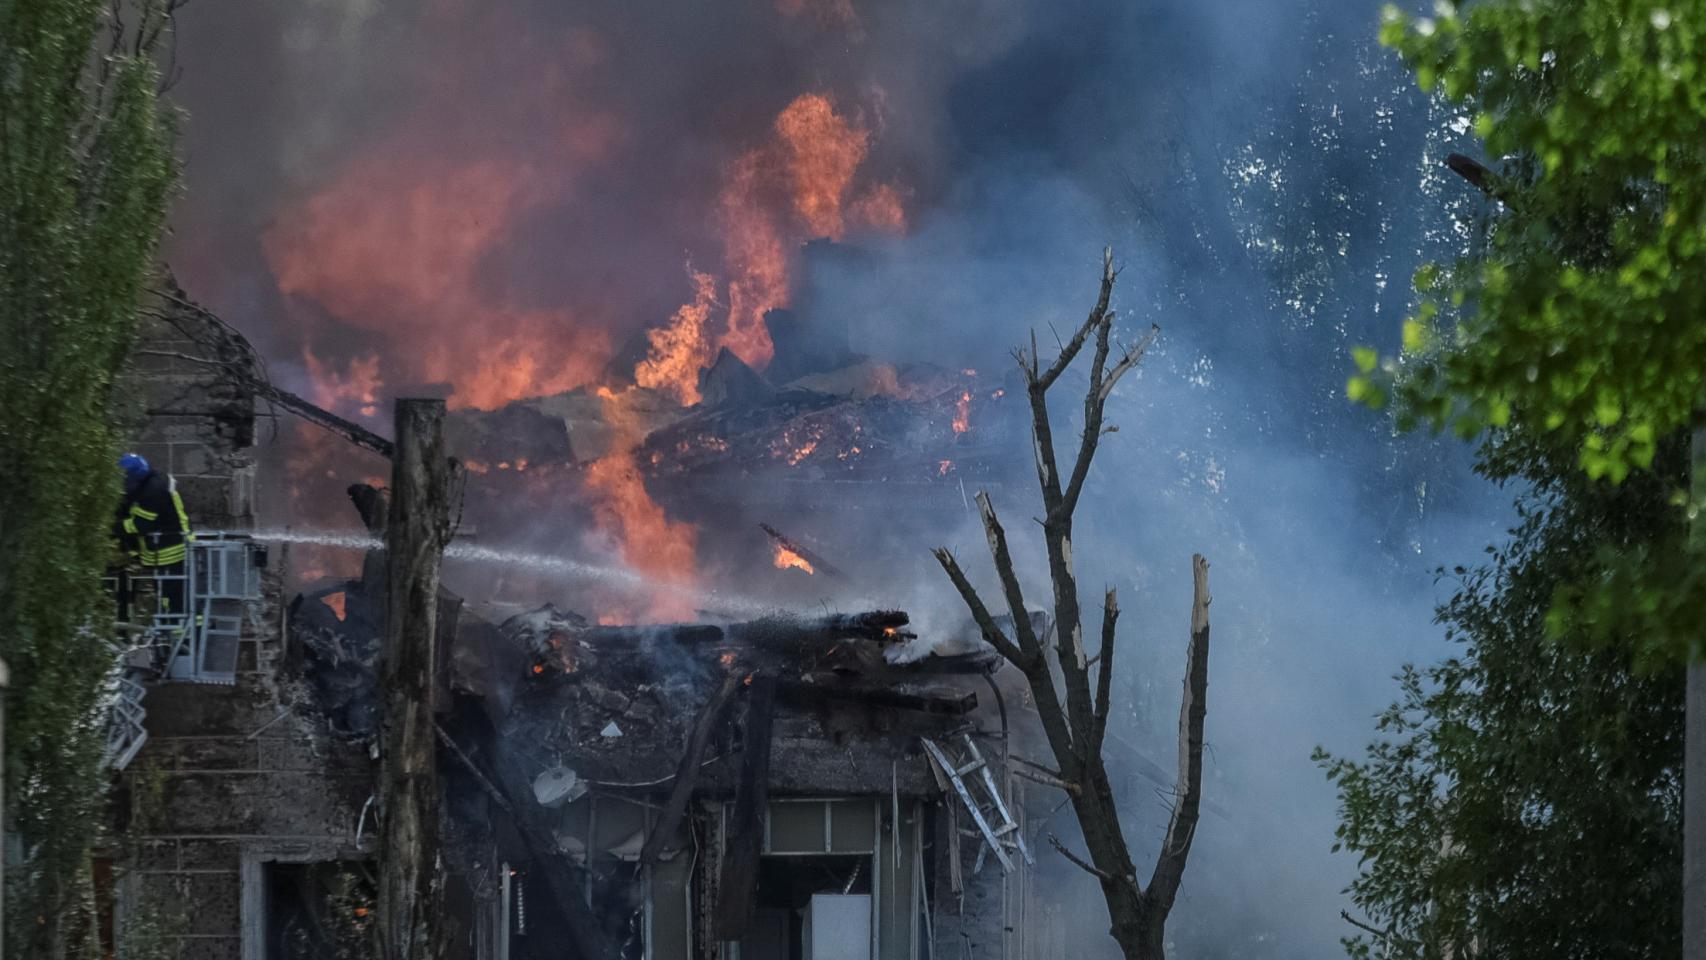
[[962, 412], [787, 559], [801, 452], [336, 602]]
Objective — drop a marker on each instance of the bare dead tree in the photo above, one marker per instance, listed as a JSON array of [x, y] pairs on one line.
[[1074, 709]]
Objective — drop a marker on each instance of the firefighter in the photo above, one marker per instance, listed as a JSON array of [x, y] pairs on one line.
[[154, 529]]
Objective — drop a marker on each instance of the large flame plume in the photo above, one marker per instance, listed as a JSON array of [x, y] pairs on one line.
[[399, 246], [660, 549], [395, 265], [800, 184], [812, 160]]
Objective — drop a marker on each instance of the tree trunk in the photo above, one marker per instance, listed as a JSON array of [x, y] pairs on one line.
[[1074, 717], [418, 528], [1139, 914]]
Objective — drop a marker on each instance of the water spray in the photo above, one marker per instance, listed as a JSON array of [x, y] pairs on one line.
[[544, 563]]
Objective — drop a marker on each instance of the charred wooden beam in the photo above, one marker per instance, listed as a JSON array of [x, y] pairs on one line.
[[353, 432], [738, 883], [880, 626], [687, 772], [957, 664], [818, 563], [941, 701], [780, 632]]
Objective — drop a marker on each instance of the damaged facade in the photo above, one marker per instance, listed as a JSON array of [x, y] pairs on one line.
[[746, 789]]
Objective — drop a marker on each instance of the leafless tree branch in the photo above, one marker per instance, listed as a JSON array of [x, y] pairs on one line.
[[1386, 936], [979, 612], [1127, 361], [1181, 827], [1022, 628], [1046, 780], [1047, 378], [1104, 680], [1074, 859]]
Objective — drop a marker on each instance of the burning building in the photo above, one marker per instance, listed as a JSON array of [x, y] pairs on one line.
[[698, 778]]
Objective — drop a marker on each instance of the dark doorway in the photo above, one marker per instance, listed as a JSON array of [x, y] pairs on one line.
[[785, 888], [319, 911]]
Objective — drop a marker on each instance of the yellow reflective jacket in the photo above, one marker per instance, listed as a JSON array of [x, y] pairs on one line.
[[152, 523]]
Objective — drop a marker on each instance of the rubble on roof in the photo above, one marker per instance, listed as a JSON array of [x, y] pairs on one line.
[[516, 433], [729, 382]]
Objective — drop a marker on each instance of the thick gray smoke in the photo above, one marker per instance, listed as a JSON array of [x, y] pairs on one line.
[[1269, 181]]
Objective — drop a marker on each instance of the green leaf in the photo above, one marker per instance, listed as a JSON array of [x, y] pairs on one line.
[[1416, 336]]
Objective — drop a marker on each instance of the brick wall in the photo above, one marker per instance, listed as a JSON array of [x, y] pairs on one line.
[[230, 777]]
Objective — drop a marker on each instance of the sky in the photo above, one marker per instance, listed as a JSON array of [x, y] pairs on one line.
[[497, 199]]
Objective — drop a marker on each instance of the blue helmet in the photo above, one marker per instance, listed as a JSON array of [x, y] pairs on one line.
[[134, 466]]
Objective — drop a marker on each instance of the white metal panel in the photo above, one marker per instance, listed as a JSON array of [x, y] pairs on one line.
[[837, 927]]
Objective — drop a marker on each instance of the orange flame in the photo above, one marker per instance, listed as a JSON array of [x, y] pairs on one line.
[[786, 558], [821, 151], [650, 543], [357, 386], [757, 259], [396, 246], [962, 412], [337, 602], [682, 349], [943, 466], [814, 155]]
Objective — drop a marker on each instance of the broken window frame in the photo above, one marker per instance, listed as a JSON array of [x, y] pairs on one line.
[[913, 816], [593, 851]]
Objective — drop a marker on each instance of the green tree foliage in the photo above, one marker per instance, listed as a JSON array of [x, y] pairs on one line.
[[86, 173], [1582, 316], [1525, 797]]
